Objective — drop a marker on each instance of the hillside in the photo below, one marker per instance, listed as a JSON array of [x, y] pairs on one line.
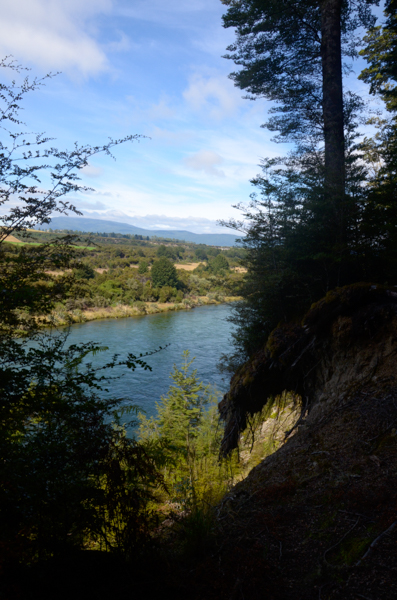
[[317, 519], [97, 225]]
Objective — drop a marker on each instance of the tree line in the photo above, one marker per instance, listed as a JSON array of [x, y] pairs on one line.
[[131, 273], [322, 216]]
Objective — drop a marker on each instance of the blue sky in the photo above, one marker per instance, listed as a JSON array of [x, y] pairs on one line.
[[145, 67]]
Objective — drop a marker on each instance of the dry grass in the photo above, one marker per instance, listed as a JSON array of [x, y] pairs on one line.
[[12, 238], [125, 310], [188, 267]]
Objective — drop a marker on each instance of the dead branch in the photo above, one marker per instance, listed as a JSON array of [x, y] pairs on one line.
[[337, 544], [376, 540]]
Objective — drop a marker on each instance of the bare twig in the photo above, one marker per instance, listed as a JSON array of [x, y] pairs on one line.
[[376, 540], [347, 512], [262, 531], [300, 420], [339, 542]]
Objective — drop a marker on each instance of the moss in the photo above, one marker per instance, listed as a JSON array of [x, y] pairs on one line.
[[281, 338], [327, 520], [342, 301], [389, 440], [248, 379], [352, 549]]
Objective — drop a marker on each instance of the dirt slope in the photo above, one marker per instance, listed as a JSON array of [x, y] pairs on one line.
[[318, 518]]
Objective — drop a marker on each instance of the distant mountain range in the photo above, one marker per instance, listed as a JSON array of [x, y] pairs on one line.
[[102, 226]]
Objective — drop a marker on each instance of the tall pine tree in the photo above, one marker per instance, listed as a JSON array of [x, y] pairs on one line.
[[303, 234]]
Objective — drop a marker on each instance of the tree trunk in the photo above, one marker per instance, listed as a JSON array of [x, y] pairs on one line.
[[331, 58]]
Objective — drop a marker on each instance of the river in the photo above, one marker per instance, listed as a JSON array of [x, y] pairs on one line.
[[204, 331]]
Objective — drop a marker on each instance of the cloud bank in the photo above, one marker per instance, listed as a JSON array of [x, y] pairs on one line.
[[54, 35]]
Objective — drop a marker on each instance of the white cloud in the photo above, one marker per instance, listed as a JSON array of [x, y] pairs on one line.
[[171, 137], [98, 205], [215, 95], [161, 110], [175, 13], [91, 171], [205, 161], [156, 221], [121, 45], [54, 34]]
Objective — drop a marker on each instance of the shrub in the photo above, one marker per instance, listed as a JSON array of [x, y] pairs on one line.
[[143, 267], [187, 427], [219, 263], [163, 251], [167, 293], [164, 273], [84, 271]]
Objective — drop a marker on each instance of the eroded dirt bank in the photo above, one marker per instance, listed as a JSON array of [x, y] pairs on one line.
[[318, 518]]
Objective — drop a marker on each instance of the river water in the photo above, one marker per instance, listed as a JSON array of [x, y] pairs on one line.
[[204, 331]]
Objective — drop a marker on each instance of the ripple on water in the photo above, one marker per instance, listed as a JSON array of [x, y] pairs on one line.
[[204, 331]]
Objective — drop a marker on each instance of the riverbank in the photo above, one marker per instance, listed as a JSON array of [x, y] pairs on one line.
[[60, 316]]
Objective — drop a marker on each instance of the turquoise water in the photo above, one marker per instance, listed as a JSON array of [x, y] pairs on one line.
[[203, 331]]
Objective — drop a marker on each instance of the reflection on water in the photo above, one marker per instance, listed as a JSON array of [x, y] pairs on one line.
[[203, 331]]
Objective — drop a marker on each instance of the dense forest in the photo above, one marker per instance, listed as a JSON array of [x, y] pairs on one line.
[[73, 483]]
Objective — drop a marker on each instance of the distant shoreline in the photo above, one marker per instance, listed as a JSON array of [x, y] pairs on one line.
[[123, 311]]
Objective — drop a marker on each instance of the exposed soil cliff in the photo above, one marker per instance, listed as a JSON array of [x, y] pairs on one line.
[[318, 518], [345, 340]]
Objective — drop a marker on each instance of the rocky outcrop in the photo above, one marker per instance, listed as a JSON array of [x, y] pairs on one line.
[[346, 340]]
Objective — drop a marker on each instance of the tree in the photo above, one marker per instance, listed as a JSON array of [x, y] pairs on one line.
[[58, 448], [304, 225], [143, 267], [200, 253], [35, 178], [84, 271], [219, 263], [165, 251], [381, 150], [66, 472], [291, 53], [381, 54], [187, 427], [164, 273]]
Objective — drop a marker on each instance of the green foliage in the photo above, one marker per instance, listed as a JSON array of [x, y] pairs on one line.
[[279, 53], [134, 289], [381, 54], [187, 427], [164, 273], [294, 256], [165, 251], [167, 293], [84, 271], [305, 226], [105, 274], [218, 264], [200, 253], [143, 267], [381, 151], [68, 476]]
